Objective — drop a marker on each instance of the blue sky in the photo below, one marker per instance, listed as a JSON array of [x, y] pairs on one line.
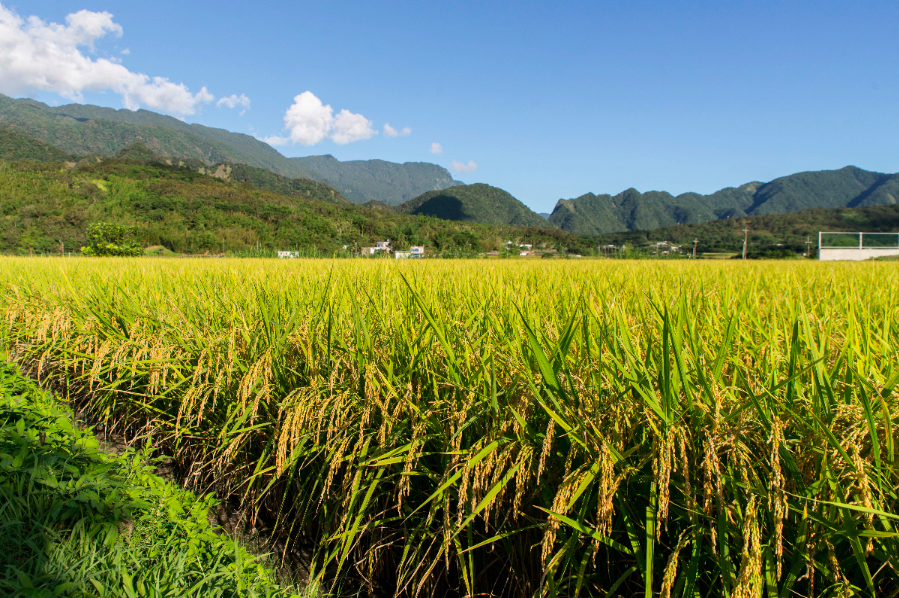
[[547, 101]]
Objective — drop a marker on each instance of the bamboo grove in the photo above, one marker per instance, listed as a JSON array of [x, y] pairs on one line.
[[506, 428]]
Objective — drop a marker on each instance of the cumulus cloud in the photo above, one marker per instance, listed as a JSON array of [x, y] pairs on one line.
[[309, 121], [39, 56], [391, 132], [233, 101], [463, 168], [436, 148], [349, 127]]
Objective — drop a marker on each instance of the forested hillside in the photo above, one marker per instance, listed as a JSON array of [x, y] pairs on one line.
[[631, 210], [48, 206], [83, 129], [473, 203], [276, 183], [15, 145]]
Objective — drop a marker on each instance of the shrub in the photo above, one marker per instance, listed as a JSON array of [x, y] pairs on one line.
[[108, 239]]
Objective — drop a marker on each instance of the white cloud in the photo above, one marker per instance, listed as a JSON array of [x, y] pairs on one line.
[[125, 52], [391, 132], [349, 127], [463, 168], [309, 121], [39, 56], [436, 148], [233, 101]]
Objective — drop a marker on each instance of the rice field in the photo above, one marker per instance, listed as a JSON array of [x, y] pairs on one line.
[[487, 428]]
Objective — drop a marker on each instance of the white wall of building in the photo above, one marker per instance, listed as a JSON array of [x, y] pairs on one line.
[[854, 254]]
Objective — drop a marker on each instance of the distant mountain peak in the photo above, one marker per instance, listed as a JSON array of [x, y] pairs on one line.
[[477, 202]]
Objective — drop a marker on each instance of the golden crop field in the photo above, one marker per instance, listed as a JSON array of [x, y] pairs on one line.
[[504, 427]]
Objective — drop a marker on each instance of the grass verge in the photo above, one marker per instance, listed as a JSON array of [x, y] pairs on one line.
[[75, 521]]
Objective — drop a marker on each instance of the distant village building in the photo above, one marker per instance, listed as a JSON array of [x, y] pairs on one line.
[[416, 251], [288, 254], [380, 247]]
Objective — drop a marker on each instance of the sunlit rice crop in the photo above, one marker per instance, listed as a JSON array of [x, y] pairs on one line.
[[523, 429]]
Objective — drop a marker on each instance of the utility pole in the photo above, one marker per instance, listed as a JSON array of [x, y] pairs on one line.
[[695, 241], [808, 247], [745, 241]]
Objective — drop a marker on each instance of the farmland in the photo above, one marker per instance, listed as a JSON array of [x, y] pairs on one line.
[[496, 428]]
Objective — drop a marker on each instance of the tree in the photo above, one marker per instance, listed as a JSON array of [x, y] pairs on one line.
[[108, 239]]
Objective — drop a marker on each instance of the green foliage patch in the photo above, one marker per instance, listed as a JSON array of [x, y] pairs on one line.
[[108, 239], [75, 521]]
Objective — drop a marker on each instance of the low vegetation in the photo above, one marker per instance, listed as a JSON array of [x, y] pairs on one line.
[[75, 521], [106, 239], [507, 428]]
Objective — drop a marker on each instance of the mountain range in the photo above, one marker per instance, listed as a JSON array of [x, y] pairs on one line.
[[80, 129], [631, 210], [591, 215], [72, 133], [188, 207]]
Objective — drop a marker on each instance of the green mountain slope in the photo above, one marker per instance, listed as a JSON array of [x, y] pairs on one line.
[[631, 210], [365, 180], [473, 203], [787, 232], [16, 145], [239, 173], [47, 207], [84, 129], [276, 183]]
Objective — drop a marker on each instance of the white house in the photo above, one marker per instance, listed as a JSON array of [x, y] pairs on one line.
[[417, 251], [380, 246]]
